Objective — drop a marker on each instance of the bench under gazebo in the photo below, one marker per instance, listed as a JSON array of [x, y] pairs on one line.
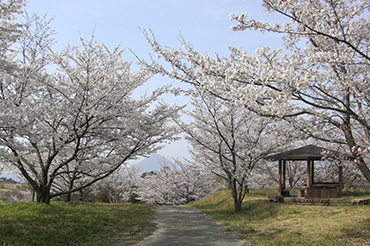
[[310, 153]]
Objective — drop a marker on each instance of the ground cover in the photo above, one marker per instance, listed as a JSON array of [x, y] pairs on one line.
[[264, 223], [14, 192], [61, 223]]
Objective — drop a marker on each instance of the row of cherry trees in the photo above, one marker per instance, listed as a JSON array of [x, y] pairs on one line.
[[69, 119], [317, 86], [320, 84], [177, 182]]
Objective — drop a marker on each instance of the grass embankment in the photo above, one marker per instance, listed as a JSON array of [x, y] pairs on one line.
[[63, 223], [263, 223]]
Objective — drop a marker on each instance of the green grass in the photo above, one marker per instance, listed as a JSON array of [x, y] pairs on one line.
[[263, 223], [63, 223]]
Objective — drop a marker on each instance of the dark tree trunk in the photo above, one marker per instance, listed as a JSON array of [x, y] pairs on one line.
[[237, 205], [43, 194], [237, 199], [81, 196], [69, 194], [68, 197], [351, 142]]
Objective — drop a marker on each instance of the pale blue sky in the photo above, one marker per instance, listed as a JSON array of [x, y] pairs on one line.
[[204, 23]]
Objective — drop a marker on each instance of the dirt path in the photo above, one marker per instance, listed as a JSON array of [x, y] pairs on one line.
[[187, 226]]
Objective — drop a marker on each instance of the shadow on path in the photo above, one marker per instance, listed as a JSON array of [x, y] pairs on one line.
[[187, 226]]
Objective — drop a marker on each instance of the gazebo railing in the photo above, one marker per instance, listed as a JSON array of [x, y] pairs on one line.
[[323, 190]]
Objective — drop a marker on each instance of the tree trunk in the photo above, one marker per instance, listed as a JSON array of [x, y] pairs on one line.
[[81, 196], [69, 194], [68, 197], [237, 200], [351, 142], [360, 162], [43, 194], [237, 205], [363, 168]]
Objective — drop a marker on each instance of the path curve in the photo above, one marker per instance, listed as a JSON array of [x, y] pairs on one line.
[[177, 225]]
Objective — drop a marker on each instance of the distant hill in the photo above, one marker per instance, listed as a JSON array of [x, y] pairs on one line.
[[7, 180], [10, 176], [152, 163]]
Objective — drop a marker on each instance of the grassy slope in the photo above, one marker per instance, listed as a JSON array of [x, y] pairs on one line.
[[71, 223], [265, 223]]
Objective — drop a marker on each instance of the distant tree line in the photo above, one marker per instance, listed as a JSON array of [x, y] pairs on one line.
[[7, 180]]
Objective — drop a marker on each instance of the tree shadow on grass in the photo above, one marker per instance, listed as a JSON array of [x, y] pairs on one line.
[[260, 210], [359, 231]]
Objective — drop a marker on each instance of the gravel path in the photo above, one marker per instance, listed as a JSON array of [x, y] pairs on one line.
[[184, 226]]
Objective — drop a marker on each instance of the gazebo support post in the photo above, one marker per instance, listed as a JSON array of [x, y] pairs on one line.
[[312, 172], [308, 190], [284, 175], [340, 176], [280, 178], [285, 191]]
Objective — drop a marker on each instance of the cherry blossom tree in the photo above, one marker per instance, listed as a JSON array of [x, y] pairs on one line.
[[81, 119], [320, 83], [330, 74], [10, 29], [121, 186], [176, 183], [230, 141]]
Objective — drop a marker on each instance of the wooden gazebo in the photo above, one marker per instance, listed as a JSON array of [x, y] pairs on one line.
[[310, 153]]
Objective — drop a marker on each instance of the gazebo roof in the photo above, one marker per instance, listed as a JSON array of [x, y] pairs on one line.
[[309, 152]]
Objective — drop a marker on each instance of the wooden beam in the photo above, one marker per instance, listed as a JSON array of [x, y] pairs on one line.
[[340, 176], [280, 178], [284, 174], [312, 172], [308, 173], [308, 190]]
